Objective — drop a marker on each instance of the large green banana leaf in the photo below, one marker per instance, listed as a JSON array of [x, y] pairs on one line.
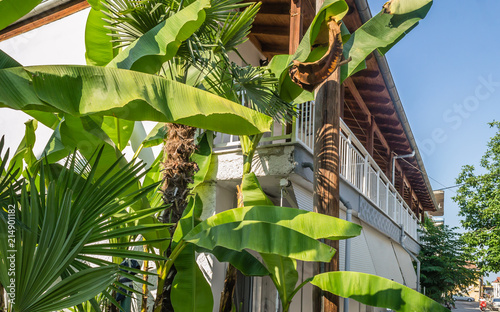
[[312, 224], [12, 10], [380, 33], [160, 44], [376, 291], [25, 149], [6, 61], [383, 31], [85, 90], [99, 49], [256, 235], [279, 65], [284, 275]]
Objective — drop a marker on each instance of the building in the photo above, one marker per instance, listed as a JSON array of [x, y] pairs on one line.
[[390, 194]]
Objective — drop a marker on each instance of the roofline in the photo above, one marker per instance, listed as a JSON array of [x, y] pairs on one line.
[[365, 14]]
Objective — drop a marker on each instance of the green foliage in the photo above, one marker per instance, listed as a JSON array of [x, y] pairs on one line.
[[375, 291], [13, 10], [69, 215], [380, 33], [444, 268], [84, 90], [478, 198]]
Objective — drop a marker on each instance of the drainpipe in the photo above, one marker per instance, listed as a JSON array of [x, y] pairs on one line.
[[394, 163], [347, 247], [403, 235]]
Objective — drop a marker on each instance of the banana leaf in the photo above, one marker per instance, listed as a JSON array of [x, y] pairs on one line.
[[375, 291], [383, 31], [12, 10], [255, 235], [283, 274], [85, 90], [160, 44], [288, 90], [312, 224], [25, 149], [156, 135], [99, 49]]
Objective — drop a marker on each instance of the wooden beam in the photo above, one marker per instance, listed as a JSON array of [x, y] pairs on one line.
[[326, 197], [380, 136], [270, 31], [355, 93], [274, 9], [370, 136], [274, 49], [296, 25], [43, 18]]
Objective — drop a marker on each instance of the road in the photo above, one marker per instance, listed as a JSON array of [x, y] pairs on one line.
[[463, 306]]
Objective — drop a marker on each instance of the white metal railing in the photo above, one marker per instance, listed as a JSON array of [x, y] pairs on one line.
[[302, 131], [357, 167]]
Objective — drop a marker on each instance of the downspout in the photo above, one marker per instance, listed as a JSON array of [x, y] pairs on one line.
[[394, 163], [347, 246], [403, 235]]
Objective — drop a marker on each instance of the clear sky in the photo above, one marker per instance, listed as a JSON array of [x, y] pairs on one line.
[[447, 73]]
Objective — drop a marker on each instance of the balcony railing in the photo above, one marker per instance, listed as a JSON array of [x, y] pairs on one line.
[[357, 167]]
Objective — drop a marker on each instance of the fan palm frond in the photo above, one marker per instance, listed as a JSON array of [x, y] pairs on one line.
[[130, 19], [73, 218]]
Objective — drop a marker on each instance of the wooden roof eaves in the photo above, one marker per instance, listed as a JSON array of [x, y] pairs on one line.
[[365, 14]]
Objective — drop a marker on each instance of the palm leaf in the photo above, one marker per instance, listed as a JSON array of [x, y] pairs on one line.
[[67, 224]]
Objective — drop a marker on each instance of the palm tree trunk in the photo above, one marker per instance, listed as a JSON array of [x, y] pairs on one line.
[[178, 172]]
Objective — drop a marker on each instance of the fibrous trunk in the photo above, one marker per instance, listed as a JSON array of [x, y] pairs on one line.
[[178, 172]]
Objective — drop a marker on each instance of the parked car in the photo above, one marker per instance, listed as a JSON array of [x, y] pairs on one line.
[[494, 304], [462, 298]]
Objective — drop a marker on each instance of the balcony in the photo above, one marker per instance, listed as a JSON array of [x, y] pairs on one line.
[[357, 167]]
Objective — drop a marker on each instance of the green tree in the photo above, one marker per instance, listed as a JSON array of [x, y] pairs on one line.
[[109, 97], [478, 198], [444, 268]]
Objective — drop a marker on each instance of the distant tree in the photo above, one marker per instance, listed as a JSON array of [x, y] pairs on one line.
[[479, 200], [444, 268]]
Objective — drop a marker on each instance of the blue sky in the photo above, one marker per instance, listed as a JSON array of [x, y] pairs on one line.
[[447, 73]]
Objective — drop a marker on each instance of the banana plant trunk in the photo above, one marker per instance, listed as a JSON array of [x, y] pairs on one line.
[[178, 172], [248, 146]]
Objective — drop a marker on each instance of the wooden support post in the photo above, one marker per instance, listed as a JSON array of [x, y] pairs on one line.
[[326, 173], [370, 136], [295, 25], [402, 185]]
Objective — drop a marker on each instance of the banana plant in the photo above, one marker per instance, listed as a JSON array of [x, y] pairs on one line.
[[368, 289], [316, 49]]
